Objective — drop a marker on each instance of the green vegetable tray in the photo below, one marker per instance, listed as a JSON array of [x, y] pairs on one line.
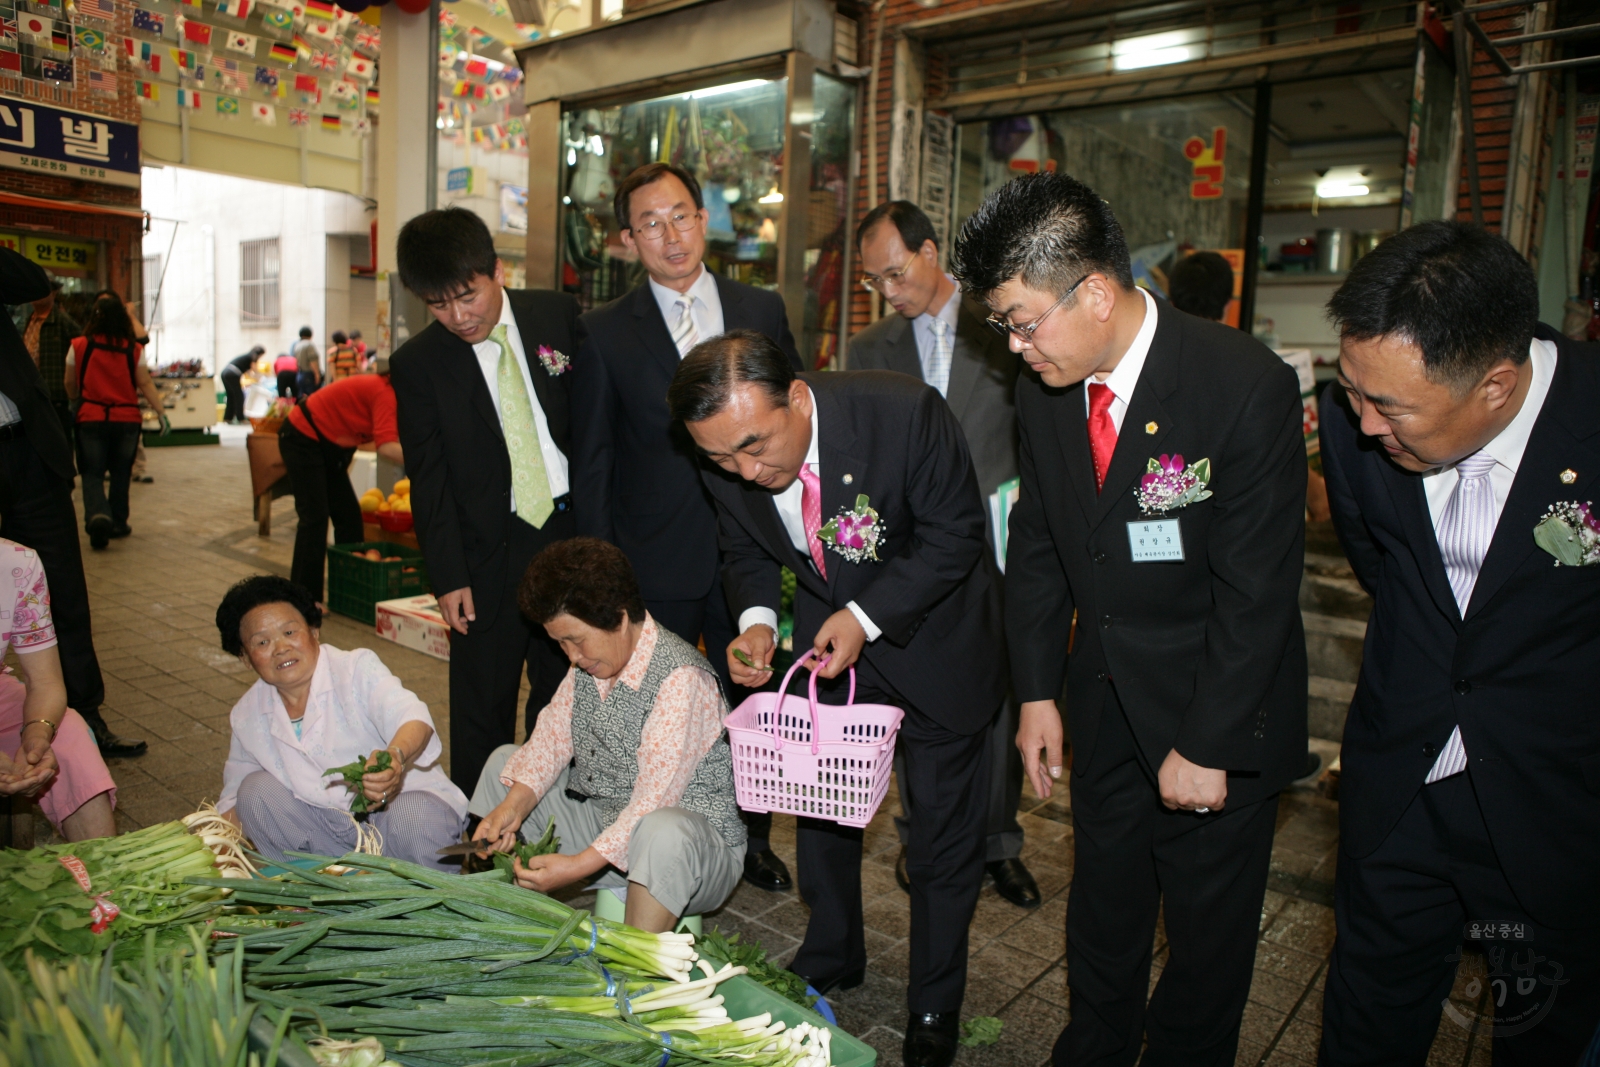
[[744, 997], [356, 584]]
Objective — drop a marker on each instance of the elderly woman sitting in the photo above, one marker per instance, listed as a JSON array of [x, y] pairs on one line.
[[628, 758], [316, 707], [46, 749]]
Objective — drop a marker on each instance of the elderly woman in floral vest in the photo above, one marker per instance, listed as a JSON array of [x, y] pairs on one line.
[[628, 758]]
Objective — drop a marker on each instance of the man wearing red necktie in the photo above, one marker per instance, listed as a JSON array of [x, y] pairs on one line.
[[1162, 503]]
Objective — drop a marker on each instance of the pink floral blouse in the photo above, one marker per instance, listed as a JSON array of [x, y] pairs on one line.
[[25, 601]]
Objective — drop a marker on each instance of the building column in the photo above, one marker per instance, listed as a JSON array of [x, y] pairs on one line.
[[407, 150]]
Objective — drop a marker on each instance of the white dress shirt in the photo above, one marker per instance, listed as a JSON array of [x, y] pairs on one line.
[[705, 305], [1125, 377], [788, 505], [488, 353], [922, 330]]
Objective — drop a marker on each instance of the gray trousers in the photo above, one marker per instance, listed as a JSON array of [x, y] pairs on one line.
[[1004, 832], [414, 825], [676, 854]]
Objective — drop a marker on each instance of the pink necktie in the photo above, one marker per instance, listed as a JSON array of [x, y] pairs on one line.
[[811, 514]]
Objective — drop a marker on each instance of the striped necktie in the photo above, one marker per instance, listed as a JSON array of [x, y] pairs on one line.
[[684, 334], [936, 368]]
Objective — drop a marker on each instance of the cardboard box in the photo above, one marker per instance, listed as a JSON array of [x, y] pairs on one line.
[[415, 622]]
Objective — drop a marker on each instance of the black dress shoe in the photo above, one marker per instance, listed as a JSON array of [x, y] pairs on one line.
[[902, 877], [99, 528], [848, 980], [932, 1039], [111, 745], [121, 529], [1012, 881], [765, 870]]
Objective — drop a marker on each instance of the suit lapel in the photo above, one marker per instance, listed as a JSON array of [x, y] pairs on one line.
[[464, 367], [843, 474], [1411, 503], [969, 360], [735, 312], [1072, 433], [1158, 379], [900, 347], [652, 328], [544, 384]]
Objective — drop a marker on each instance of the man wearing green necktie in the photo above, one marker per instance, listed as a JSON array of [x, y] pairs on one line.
[[484, 422]]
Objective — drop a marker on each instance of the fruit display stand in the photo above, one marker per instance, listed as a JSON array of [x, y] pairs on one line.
[[357, 582]]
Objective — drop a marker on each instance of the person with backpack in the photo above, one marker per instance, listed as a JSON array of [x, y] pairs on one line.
[[105, 376], [342, 360]]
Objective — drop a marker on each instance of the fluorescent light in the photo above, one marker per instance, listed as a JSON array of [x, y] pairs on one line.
[[1333, 190], [1156, 50], [731, 87]]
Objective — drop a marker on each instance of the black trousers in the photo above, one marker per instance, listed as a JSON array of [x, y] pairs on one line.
[[709, 619], [1003, 833], [1403, 915], [287, 383], [487, 662], [234, 391], [36, 510], [1131, 856], [106, 451], [944, 857], [320, 476]]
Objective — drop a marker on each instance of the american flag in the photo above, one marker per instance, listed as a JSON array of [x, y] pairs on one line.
[[99, 80], [96, 9]]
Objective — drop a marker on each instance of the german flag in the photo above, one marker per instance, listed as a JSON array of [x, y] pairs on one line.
[[319, 9], [372, 96], [333, 123], [283, 53]]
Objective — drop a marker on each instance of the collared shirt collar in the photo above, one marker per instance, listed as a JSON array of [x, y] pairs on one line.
[[632, 674], [704, 289], [1510, 443], [813, 456], [507, 319], [1125, 377]]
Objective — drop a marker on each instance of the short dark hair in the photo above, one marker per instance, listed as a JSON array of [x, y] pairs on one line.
[[1458, 292], [257, 350], [1202, 284], [252, 592], [914, 225], [355, 335], [109, 318], [649, 174], [1048, 230], [440, 252], [339, 338], [305, 331], [584, 577], [707, 375]]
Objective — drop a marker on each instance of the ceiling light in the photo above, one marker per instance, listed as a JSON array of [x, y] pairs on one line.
[[731, 87], [1156, 50], [1333, 190], [773, 197]]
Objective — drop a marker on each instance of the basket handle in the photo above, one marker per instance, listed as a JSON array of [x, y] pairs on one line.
[[813, 694], [777, 738]]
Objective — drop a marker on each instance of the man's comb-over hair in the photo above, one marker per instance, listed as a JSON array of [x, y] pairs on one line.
[[708, 374], [1458, 292], [1045, 230]]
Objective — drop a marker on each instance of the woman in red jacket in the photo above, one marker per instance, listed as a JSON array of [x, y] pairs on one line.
[[105, 376]]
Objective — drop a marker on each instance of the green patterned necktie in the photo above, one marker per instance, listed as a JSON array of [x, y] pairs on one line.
[[530, 487]]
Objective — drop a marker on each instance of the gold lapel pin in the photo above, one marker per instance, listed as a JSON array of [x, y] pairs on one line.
[[1569, 476], [848, 478], [1150, 428]]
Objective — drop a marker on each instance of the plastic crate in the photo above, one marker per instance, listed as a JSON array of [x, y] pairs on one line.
[[743, 996], [356, 584]]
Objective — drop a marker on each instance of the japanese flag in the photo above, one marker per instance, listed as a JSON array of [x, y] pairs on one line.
[[360, 67], [34, 28], [265, 114], [321, 33]]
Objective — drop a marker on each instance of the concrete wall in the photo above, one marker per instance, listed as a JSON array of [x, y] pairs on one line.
[[203, 217]]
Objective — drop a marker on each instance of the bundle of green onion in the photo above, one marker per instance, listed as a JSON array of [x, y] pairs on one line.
[[75, 899], [453, 970]]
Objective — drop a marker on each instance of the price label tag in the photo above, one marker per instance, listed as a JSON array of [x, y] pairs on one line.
[[1156, 541]]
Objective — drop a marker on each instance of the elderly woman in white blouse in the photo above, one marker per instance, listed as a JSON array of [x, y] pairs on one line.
[[316, 707]]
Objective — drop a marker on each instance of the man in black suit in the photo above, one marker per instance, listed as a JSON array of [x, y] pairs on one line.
[[1469, 805], [1162, 500], [912, 608], [938, 336], [483, 422], [36, 475], [643, 477]]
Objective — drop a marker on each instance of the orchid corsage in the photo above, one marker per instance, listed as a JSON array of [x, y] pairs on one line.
[[854, 532], [1570, 533], [553, 361], [1168, 485]]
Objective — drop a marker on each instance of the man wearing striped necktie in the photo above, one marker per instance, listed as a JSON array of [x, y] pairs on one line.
[[1470, 793]]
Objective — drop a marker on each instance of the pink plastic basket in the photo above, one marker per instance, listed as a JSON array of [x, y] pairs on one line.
[[794, 755]]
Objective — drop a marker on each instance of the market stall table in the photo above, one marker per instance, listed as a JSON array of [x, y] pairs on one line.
[[269, 478]]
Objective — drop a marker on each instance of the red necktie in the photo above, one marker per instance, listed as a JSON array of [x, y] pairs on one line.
[[1102, 431]]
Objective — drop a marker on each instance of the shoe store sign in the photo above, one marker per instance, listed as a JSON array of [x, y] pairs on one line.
[[69, 144]]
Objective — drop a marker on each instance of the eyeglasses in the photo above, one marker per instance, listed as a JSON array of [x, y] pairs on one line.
[[1025, 331], [891, 278], [656, 229]]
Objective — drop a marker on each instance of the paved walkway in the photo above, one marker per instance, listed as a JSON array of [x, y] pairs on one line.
[[154, 596]]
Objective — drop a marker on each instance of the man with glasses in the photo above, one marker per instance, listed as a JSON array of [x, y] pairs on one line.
[[939, 337], [1162, 504], [640, 472]]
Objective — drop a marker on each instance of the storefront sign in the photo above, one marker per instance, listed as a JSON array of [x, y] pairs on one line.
[[68, 143], [458, 180], [53, 253], [1207, 161]]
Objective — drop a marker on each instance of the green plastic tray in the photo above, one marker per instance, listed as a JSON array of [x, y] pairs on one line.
[[356, 584], [743, 996]]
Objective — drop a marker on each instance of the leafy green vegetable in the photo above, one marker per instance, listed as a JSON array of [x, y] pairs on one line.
[[548, 845], [357, 769], [743, 657], [981, 1030], [719, 950]]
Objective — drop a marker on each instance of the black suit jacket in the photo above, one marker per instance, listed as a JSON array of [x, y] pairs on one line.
[[981, 391], [897, 441], [456, 455], [639, 469], [22, 281], [1517, 674], [1207, 655]]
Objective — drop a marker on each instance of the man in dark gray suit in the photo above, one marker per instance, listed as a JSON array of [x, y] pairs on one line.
[[939, 337]]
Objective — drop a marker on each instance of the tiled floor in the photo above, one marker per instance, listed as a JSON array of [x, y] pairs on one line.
[[167, 680]]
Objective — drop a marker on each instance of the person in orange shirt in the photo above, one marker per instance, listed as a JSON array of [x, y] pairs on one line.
[[318, 440]]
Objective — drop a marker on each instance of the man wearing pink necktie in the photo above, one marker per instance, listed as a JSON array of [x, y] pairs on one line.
[[861, 483], [1162, 505], [1469, 805]]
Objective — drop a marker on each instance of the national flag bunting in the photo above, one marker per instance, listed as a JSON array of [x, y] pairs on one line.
[[198, 32], [332, 122], [56, 70], [61, 40], [372, 96], [97, 9], [321, 34], [102, 81], [8, 30], [227, 105], [447, 18], [324, 61], [476, 68], [36, 29], [196, 4], [277, 18], [360, 67], [11, 61], [302, 47], [369, 40], [498, 91], [299, 116], [239, 9], [283, 53], [319, 9], [265, 114], [184, 60], [267, 77], [92, 39], [241, 42], [147, 90], [307, 83], [149, 22], [188, 98]]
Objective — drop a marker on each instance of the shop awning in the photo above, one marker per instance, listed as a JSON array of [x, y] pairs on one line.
[[19, 200]]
